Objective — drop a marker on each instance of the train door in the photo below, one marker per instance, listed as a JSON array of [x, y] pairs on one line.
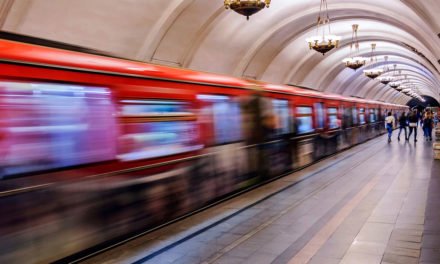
[[319, 115], [304, 140], [221, 123], [278, 151]]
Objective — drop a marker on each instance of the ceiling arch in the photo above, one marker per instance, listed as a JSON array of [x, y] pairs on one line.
[[202, 35]]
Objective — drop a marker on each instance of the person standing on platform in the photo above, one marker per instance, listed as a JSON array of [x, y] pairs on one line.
[[390, 123], [428, 125], [413, 119], [402, 125]]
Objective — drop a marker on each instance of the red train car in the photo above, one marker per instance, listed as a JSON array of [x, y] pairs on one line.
[[118, 146]]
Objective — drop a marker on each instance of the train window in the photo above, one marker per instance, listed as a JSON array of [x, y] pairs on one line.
[[282, 113], [304, 119], [156, 128], [222, 117], [319, 115], [333, 117], [153, 108], [362, 116], [47, 126]]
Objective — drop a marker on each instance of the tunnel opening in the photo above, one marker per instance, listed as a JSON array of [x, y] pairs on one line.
[[429, 102]]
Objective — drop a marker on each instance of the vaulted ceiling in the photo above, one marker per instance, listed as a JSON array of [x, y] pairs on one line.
[[202, 35]]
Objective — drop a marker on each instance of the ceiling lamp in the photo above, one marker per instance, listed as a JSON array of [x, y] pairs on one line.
[[373, 72], [354, 62], [246, 7], [395, 85], [389, 78], [385, 79], [323, 42], [396, 82]]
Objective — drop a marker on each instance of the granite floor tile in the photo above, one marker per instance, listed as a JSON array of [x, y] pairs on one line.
[[230, 260], [397, 259], [407, 232], [322, 260], [415, 253], [260, 258], [375, 232], [386, 219], [408, 238], [274, 247], [335, 250], [417, 220], [242, 252], [361, 258], [409, 226], [404, 244], [368, 247]]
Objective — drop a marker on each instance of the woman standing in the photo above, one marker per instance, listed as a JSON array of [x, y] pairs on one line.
[[413, 119], [390, 123], [402, 125], [428, 125]]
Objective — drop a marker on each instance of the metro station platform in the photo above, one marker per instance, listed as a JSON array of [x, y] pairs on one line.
[[374, 203]]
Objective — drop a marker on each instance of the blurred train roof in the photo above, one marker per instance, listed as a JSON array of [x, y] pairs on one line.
[[26, 49]]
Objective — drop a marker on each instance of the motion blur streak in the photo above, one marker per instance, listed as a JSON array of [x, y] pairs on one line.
[[47, 126]]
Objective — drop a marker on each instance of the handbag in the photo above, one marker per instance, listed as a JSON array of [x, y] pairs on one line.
[[411, 124]]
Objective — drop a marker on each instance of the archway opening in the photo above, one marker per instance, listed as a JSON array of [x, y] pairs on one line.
[[429, 102]]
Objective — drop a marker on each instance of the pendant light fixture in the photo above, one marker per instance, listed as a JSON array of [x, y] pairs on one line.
[[323, 41], [246, 7], [373, 72], [354, 62]]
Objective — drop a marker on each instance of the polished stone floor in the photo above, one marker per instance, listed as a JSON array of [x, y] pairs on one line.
[[375, 203]]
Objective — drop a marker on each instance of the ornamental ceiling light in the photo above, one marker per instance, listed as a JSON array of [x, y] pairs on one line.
[[403, 83], [385, 79], [373, 72], [354, 62], [396, 83], [246, 7], [389, 78], [323, 41]]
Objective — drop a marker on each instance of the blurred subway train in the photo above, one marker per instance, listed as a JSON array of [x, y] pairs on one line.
[[95, 148]]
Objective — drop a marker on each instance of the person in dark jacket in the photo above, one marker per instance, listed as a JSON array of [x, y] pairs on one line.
[[402, 125], [428, 124], [413, 119]]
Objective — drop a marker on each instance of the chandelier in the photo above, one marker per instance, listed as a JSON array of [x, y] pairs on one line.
[[354, 62], [399, 83], [395, 83], [387, 79], [246, 7], [407, 91], [373, 72], [323, 41]]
